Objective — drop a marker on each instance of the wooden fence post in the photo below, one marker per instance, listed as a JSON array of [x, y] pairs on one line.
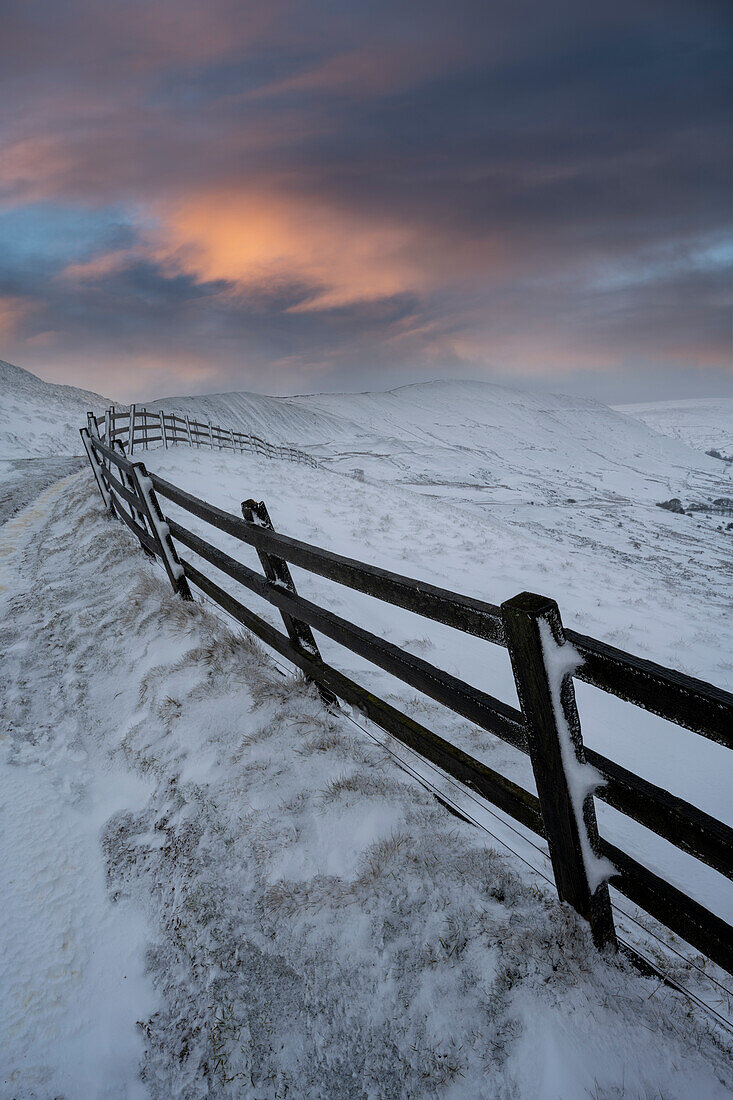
[[159, 530], [188, 431], [162, 429], [127, 481], [104, 463], [131, 441], [278, 572], [565, 784], [96, 466], [211, 437]]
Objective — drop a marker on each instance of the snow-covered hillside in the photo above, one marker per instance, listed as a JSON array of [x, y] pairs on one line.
[[704, 423], [476, 441], [39, 419], [277, 419]]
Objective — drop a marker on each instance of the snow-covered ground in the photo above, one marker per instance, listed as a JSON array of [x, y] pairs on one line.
[[218, 888], [215, 875], [705, 423], [72, 964], [671, 607]]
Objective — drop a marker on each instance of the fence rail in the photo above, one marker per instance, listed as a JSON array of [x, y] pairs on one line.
[[139, 427], [546, 728]]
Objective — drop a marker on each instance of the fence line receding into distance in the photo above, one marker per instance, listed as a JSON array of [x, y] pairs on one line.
[[139, 427], [547, 727]]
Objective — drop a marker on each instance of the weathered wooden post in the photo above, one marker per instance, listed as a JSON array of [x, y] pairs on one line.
[[129, 484], [231, 433], [108, 426], [211, 437], [127, 481], [159, 530], [162, 429], [188, 431], [94, 462], [543, 662], [278, 572], [131, 441]]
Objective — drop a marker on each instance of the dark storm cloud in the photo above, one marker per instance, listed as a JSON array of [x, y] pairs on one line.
[[359, 194]]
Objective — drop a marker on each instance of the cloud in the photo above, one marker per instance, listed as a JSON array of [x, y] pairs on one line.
[[262, 238], [278, 194]]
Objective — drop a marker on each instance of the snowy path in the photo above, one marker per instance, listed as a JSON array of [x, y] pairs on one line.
[[22, 479], [71, 964]]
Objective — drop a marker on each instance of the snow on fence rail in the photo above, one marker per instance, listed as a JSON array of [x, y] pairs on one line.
[[545, 659], [140, 427]]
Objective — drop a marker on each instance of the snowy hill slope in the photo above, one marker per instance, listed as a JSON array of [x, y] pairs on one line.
[[277, 419], [705, 423], [38, 418], [475, 441], [509, 443]]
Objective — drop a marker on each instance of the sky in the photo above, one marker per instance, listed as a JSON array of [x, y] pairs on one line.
[[291, 197]]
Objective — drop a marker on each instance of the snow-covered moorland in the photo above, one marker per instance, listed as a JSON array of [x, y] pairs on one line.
[[216, 887]]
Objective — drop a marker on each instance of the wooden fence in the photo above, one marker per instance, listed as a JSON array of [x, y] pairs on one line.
[[139, 427], [546, 728]]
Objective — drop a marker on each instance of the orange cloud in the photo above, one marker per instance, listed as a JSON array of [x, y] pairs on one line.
[[256, 238], [344, 256]]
